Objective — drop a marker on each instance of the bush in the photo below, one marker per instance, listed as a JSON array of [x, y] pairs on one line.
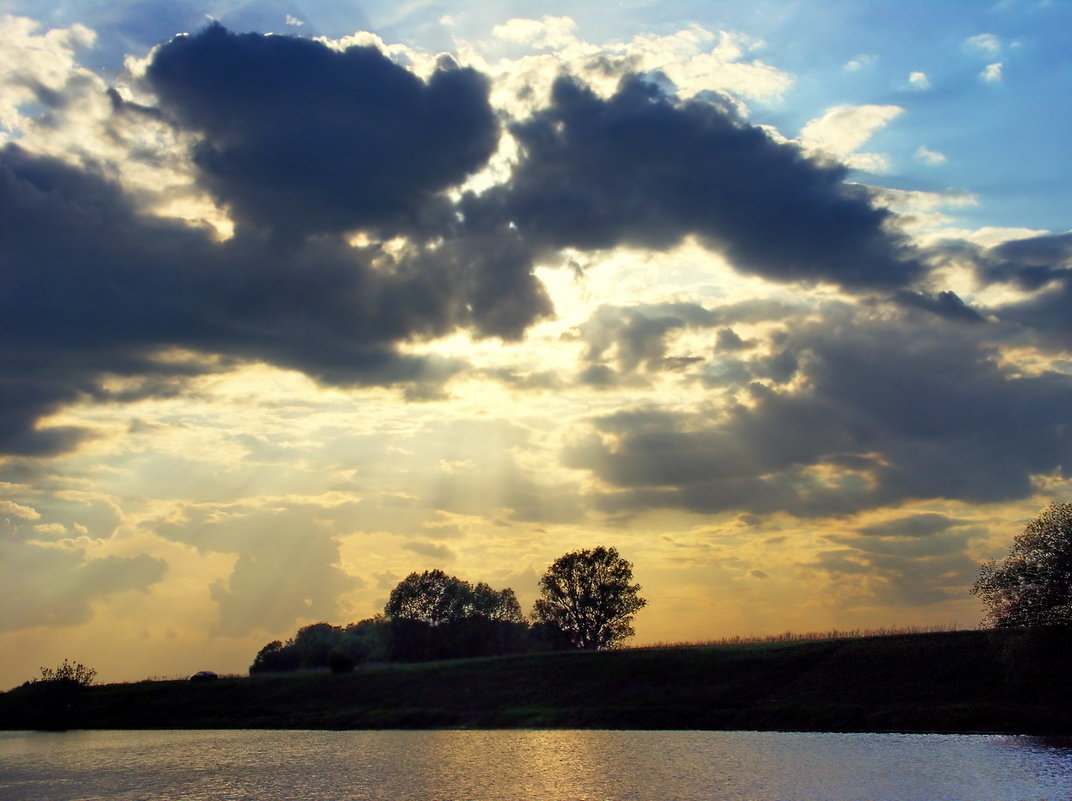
[[69, 673]]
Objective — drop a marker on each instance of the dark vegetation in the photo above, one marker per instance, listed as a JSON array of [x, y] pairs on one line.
[[1000, 680], [55, 697], [1032, 586], [587, 601]]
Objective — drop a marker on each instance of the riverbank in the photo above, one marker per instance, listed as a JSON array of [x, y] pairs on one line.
[[968, 681]]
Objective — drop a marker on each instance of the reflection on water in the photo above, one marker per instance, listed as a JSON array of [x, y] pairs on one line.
[[538, 765]]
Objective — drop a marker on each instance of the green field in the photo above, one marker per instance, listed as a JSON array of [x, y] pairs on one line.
[[967, 681]]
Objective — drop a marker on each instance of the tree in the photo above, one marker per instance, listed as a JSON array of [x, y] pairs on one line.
[[501, 606], [436, 616], [588, 596], [322, 645], [435, 598], [275, 657], [431, 597], [1032, 586]]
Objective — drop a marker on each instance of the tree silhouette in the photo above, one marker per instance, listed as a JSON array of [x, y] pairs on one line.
[[435, 598], [436, 616], [430, 597], [589, 597], [1032, 586]]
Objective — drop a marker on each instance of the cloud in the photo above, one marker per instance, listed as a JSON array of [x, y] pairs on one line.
[[928, 156], [300, 138], [872, 417], [336, 312], [287, 568], [984, 43], [841, 130], [991, 73], [897, 579], [1041, 266], [548, 32], [440, 553], [918, 525], [860, 62], [19, 510], [919, 80], [641, 169], [638, 336], [39, 67], [727, 339], [52, 586]]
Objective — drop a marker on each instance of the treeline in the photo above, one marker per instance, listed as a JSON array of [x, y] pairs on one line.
[[587, 601]]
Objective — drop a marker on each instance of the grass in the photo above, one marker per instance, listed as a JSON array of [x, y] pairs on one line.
[[998, 681], [809, 636]]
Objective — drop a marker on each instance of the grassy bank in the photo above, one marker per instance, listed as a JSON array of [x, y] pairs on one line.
[[1006, 681]]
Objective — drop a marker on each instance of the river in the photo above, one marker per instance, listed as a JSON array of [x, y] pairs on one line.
[[524, 765]]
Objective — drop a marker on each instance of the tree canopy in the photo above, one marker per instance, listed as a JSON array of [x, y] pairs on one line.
[[1032, 586], [435, 598], [589, 597]]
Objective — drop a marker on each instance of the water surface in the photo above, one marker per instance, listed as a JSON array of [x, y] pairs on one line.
[[537, 765]]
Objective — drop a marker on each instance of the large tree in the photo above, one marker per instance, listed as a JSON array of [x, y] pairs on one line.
[[1032, 586], [589, 597]]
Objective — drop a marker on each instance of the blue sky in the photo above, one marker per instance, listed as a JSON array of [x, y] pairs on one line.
[[770, 296]]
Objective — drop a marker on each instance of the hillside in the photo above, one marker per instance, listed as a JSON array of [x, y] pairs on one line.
[[1009, 681]]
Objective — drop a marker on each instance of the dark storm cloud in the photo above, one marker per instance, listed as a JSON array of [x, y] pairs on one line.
[[944, 304], [1042, 266], [882, 411], [1029, 263], [304, 143], [90, 287], [301, 138], [641, 169]]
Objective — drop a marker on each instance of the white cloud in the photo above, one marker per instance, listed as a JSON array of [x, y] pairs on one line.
[[34, 62], [867, 162], [693, 59], [919, 80], [984, 42], [56, 529], [553, 32], [843, 129], [18, 510], [294, 20], [928, 156], [992, 73], [858, 63]]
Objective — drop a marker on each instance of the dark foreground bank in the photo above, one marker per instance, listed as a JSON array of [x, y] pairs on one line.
[[978, 681]]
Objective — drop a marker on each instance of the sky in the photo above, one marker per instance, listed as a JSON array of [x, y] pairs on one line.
[[297, 298]]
